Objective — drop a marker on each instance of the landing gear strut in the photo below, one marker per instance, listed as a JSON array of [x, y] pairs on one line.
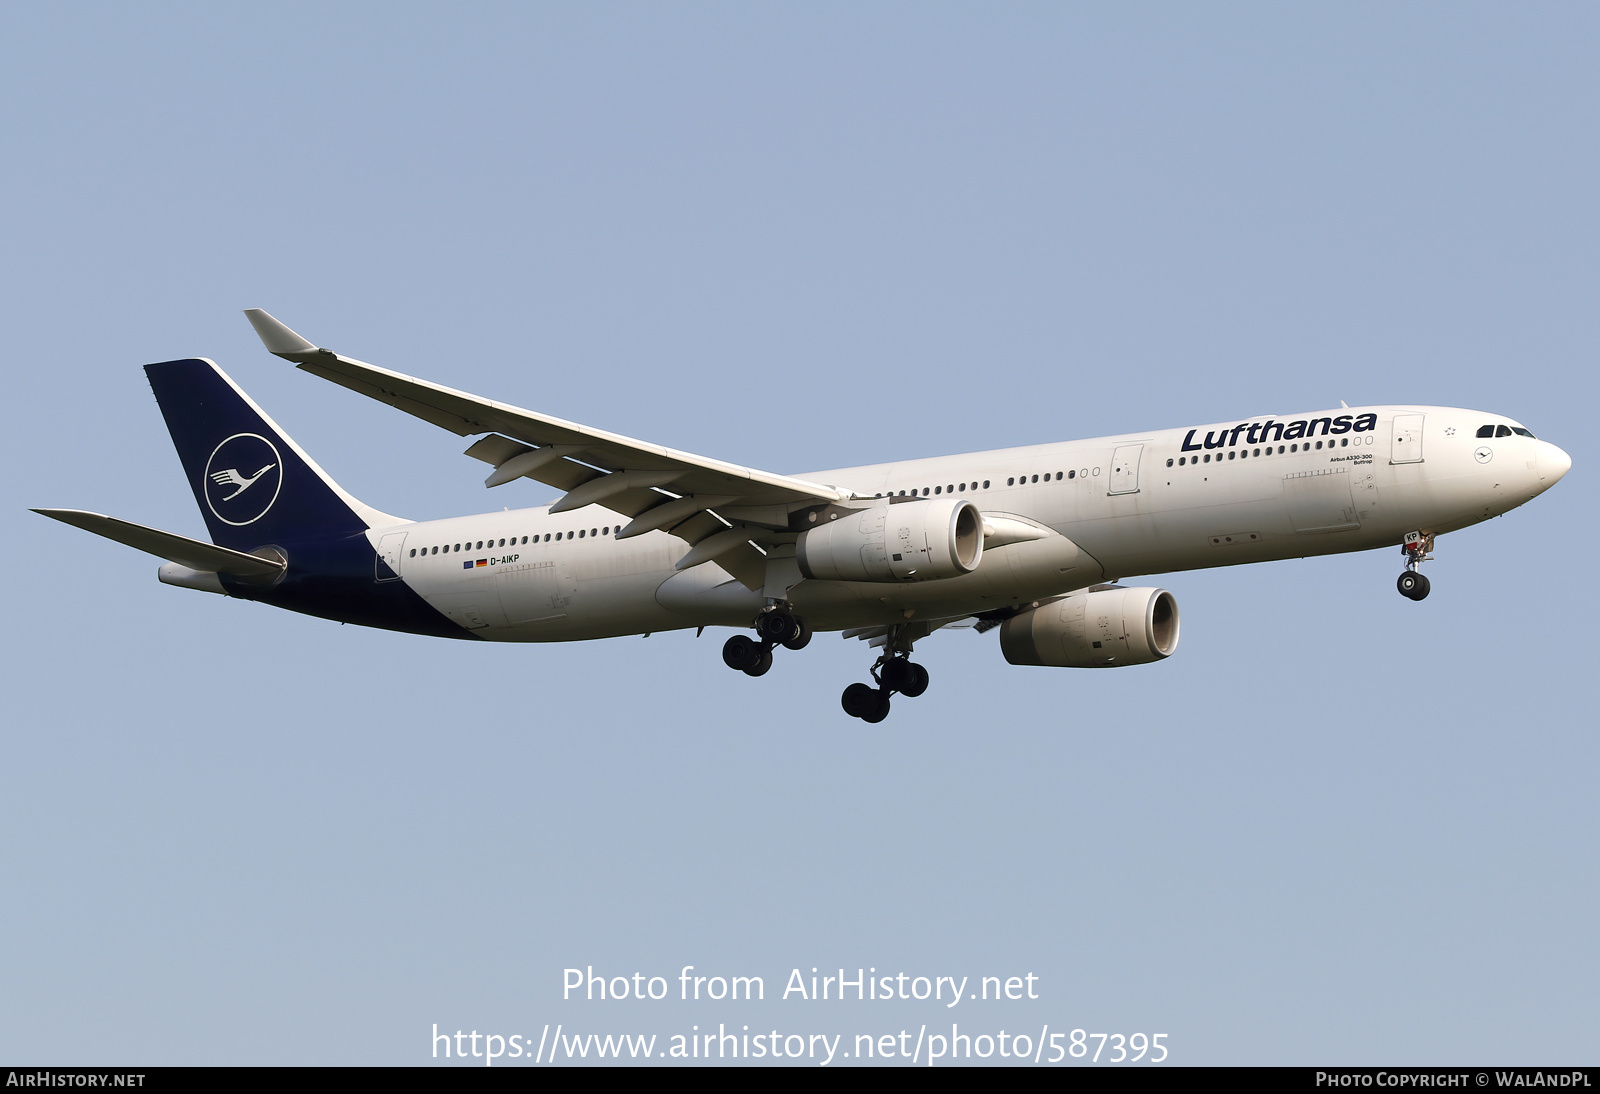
[[1418, 548], [894, 671], [777, 626]]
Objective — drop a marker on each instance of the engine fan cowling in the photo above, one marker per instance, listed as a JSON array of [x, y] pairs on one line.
[[905, 541], [1103, 628]]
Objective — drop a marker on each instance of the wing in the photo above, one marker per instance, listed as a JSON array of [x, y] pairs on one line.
[[692, 497]]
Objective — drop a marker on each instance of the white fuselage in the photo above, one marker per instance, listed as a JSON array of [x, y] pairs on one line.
[[1104, 509]]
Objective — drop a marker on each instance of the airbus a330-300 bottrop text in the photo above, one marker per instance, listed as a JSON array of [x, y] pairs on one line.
[[1033, 541]]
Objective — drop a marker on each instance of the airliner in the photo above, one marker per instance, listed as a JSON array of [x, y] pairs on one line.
[[1035, 541]]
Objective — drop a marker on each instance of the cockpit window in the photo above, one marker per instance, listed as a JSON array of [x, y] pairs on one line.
[[1519, 431], [1486, 431], [1503, 431]]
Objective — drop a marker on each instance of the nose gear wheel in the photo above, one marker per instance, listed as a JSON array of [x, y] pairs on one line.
[[1412, 585]]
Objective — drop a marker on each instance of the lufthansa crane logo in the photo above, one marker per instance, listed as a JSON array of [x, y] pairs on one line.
[[243, 477]]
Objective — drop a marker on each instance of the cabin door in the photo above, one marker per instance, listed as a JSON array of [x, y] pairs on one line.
[[1125, 469], [386, 567], [1405, 444]]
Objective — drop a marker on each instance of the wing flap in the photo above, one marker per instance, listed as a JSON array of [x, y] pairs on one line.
[[562, 473]]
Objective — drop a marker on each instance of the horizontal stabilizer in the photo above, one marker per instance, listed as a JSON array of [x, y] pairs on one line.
[[193, 553]]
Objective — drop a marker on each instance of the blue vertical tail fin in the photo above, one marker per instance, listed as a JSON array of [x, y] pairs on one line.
[[254, 485]]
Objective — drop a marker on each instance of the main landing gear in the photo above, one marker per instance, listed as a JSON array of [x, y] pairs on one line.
[[894, 671], [775, 627], [1418, 548]]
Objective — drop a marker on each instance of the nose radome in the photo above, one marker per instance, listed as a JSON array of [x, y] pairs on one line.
[[1552, 463]]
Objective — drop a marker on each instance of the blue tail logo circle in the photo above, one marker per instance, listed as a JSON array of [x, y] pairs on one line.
[[243, 477]]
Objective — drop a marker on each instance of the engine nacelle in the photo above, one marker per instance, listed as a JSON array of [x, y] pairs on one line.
[[903, 541], [1102, 628]]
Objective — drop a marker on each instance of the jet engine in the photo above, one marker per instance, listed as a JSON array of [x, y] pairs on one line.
[[895, 540], [1103, 627]]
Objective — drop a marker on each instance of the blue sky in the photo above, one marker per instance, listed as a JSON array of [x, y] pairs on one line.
[[1336, 827]]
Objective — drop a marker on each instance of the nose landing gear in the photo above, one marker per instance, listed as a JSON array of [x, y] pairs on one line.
[[1418, 548]]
